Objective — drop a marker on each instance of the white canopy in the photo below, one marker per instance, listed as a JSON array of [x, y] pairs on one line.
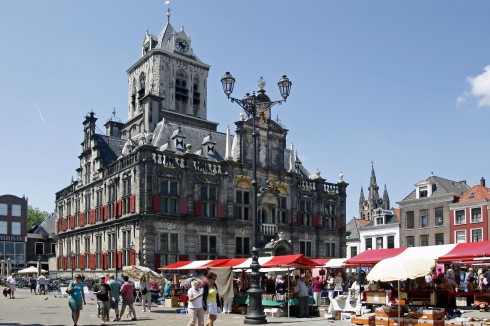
[[31, 270], [399, 269]]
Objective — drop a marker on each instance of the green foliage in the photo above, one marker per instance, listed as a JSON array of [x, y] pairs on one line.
[[35, 217]]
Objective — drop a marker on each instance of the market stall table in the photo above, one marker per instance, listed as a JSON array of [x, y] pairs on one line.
[[343, 303]]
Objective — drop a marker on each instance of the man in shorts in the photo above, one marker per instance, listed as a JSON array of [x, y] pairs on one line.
[[115, 287], [103, 293]]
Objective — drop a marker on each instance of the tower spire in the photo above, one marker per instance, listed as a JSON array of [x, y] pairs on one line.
[[167, 2]]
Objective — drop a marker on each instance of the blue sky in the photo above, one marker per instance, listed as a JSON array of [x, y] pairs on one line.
[[405, 84]]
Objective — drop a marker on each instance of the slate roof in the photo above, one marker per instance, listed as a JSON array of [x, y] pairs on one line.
[[442, 186], [46, 228], [110, 148]]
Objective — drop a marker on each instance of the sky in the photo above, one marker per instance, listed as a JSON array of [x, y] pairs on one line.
[[403, 85]]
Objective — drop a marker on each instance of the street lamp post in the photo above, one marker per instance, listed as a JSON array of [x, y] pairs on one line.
[[251, 104], [38, 265]]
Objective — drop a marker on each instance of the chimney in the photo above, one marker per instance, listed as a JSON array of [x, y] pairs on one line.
[[482, 182]]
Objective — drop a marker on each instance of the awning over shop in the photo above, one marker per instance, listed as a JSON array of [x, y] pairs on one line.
[[371, 257], [335, 263], [292, 261], [321, 261], [467, 251], [194, 264]]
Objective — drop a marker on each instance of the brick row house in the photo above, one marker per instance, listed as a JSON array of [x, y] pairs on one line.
[[166, 185]]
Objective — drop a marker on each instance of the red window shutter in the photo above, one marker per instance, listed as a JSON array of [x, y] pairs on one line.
[[119, 207], [157, 261], [314, 220], [81, 261], [104, 260], [183, 257], [132, 257], [104, 213], [183, 208], [72, 222], [197, 208], [299, 219], [114, 209], [221, 211], [119, 259], [82, 219], [63, 224], [92, 217], [63, 262], [132, 203], [156, 203], [58, 263], [92, 261]]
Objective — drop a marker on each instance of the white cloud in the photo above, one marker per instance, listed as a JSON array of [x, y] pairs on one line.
[[479, 88]]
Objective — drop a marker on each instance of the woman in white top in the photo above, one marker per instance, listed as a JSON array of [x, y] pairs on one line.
[[145, 293], [196, 310], [11, 284]]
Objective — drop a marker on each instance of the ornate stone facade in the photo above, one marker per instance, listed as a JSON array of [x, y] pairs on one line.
[[166, 185]]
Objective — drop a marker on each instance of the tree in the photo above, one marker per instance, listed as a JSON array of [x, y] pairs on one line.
[[35, 216]]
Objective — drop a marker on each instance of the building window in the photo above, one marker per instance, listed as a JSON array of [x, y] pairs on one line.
[[242, 246], [111, 198], [410, 219], [305, 209], [242, 205], [391, 241], [353, 251], [3, 227], [16, 211], [423, 192], [39, 248], [168, 196], [208, 246], [460, 236], [3, 209], [330, 249], [126, 193], [476, 235], [98, 251], [424, 218], [329, 209], [283, 210], [126, 247], [424, 240], [379, 243], [111, 246], [439, 216], [15, 228], [369, 243], [476, 215], [380, 220], [209, 201], [53, 248], [410, 241], [460, 217], [68, 208], [169, 242], [439, 238], [305, 248]]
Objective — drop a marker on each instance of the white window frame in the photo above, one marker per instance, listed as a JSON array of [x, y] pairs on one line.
[[456, 218], [480, 237], [471, 215], [460, 233]]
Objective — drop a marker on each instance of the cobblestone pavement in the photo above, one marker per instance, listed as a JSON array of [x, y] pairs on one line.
[[29, 310]]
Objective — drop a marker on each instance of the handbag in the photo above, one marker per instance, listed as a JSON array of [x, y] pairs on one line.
[[144, 291]]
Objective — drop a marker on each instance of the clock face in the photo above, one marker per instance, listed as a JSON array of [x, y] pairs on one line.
[[182, 45]]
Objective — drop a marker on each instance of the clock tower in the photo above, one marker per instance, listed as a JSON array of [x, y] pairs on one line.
[[169, 80]]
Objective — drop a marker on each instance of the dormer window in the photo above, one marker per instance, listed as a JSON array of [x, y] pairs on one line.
[[423, 192], [424, 189], [210, 149]]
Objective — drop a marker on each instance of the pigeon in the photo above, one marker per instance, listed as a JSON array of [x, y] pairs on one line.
[[46, 298]]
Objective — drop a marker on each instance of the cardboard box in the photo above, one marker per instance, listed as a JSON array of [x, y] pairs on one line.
[[431, 322], [395, 321], [433, 314], [367, 319], [173, 302], [381, 321], [386, 312]]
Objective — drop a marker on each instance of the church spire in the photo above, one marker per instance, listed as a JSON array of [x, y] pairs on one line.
[[361, 197], [373, 185], [386, 199]]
